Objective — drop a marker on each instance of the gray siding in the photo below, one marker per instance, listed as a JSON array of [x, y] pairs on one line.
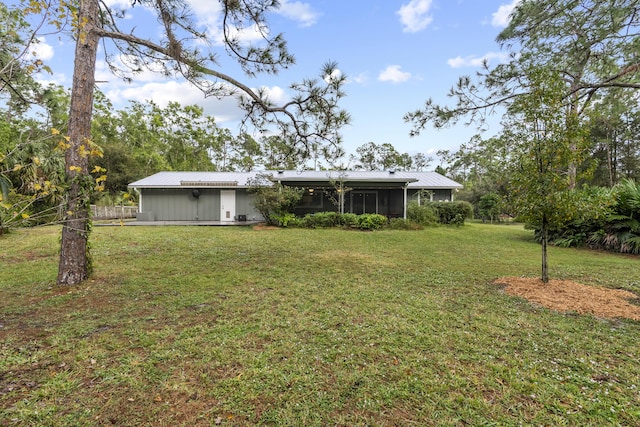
[[179, 204], [244, 205]]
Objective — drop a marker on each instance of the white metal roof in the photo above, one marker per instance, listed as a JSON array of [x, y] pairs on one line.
[[194, 180], [431, 180], [414, 180]]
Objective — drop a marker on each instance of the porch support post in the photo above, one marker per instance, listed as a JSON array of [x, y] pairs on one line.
[[404, 214]]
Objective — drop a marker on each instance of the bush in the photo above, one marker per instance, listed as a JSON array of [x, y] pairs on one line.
[[489, 206], [320, 220], [327, 219], [423, 215], [452, 213], [285, 219], [371, 221], [274, 201], [349, 220], [617, 230]]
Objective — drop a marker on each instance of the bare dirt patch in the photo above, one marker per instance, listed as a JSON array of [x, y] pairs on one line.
[[569, 296], [263, 226]]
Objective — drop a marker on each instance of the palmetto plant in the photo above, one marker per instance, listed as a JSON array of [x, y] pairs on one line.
[[621, 232]]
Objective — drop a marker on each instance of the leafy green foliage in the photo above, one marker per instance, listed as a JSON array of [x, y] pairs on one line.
[[321, 220], [275, 202], [489, 206], [452, 213], [422, 214], [548, 142], [618, 230], [371, 221], [346, 220], [373, 157]]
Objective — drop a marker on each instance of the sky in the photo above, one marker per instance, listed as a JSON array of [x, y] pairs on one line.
[[395, 54]]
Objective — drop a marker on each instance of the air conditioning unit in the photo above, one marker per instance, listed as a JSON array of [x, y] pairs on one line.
[[242, 218]]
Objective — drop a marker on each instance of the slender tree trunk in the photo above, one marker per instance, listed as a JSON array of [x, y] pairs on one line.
[[74, 250], [609, 162], [545, 240]]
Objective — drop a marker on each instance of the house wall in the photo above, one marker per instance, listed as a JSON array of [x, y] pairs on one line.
[[244, 205], [179, 204]]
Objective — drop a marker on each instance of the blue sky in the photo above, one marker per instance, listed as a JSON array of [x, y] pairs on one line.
[[395, 54]]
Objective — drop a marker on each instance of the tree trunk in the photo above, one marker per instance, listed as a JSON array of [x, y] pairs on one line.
[[74, 250], [545, 239]]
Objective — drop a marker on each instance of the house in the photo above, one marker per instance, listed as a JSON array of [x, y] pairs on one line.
[[223, 196]]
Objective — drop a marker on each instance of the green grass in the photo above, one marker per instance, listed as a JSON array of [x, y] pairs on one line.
[[235, 326]]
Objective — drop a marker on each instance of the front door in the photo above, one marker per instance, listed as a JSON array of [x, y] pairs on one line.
[[227, 205], [364, 202]]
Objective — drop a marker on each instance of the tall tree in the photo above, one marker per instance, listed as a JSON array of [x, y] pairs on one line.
[[312, 116], [372, 157], [614, 123], [592, 45]]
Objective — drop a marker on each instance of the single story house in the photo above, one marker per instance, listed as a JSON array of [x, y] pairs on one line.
[[223, 196]]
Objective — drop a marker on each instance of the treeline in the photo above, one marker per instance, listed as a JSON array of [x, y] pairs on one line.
[[142, 139], [605, 200]]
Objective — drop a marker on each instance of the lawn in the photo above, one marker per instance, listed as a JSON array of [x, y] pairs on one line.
[[287, 327]]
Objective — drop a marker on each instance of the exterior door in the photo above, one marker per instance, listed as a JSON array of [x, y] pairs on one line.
[[227, 205], [364, 202]]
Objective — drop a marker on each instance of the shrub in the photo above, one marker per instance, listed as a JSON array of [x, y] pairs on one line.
[[452, 213], [423, 215], [273, 201], [320, 220], [327, 219], [371, 221], [349, 220], [285, 219]]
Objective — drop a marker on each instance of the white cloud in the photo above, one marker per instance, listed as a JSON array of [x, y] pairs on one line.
[[475, 61], [502, 16], [276, 95], [361, 78], [415, 16], [40, 49], [393, 74], [162, 93], [204, 8], [298, 11]]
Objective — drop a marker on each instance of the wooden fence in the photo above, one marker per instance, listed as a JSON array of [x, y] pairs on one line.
[[113, 212]]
